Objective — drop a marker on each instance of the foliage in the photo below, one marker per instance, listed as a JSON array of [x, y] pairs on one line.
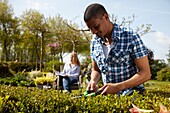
[[164, 74], [156, 66], [168, 55], [20, 66], [33, 27], [19, 79], [7, 29], [49, 74], [150, 56], [33, 74], [44, 80], [86, 62], [57, 64], [32, 100], [5, 71]]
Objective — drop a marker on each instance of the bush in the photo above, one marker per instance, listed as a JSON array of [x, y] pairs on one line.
[[57, 64], [44, 80], [5, 71], [33, 74], [32, 100], [156, 66], [164, 74], [20, 66], [19, 79]]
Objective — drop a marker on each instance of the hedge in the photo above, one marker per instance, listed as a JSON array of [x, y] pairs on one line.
[[4, 70], [33, 100], [21, 66]]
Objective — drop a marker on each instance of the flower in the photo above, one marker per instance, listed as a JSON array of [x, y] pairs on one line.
[[54, 45]]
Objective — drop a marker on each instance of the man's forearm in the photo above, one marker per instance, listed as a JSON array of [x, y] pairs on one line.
[[140, 77], [95, 76], [137, 79]]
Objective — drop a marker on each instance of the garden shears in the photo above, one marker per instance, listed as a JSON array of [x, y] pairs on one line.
[[89, 93]]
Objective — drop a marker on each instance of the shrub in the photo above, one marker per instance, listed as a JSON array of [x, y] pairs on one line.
[[20, 66], [5, 71], [32, 100], [50, 74], [33, 74], [57, 64], [19, 79], [44, 80], [164, 74]]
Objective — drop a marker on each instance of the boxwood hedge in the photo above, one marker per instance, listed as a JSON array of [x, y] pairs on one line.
[[33, 100]]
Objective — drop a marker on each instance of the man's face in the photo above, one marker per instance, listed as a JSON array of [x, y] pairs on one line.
[[98, 25]]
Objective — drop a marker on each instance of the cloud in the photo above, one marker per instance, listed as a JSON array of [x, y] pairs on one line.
[[159, 43], [32, 4], [150, 10], [161, 38]]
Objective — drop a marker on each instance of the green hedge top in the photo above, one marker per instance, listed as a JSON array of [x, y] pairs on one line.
[[32, 100]]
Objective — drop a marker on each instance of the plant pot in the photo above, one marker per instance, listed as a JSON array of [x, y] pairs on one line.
[[46, 87], [40, 86]]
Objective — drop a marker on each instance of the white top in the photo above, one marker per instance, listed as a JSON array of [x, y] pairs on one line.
[[73, 72], [106, 49]]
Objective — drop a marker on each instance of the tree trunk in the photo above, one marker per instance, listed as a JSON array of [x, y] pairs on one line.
[[41, 51], [5, 52], [61, 57]]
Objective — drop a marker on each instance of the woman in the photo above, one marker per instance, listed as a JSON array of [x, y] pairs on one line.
[[71, 72]]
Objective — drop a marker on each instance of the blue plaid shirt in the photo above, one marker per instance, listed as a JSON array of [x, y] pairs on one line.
[[119, 65]]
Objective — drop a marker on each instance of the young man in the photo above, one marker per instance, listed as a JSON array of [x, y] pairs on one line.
[[118, 55]]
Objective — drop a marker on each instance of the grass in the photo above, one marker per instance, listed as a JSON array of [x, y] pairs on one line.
[[149, 85], [154, 84]]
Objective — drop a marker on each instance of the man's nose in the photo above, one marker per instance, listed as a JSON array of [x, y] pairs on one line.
[[94, 31]]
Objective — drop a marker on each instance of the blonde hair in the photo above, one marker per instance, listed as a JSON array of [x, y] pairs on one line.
[[76, 60]]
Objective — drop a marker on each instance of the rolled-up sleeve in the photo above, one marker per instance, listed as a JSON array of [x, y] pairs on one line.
[[139, 49]]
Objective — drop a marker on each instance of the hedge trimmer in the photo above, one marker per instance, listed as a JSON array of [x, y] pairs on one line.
[[88, 93]]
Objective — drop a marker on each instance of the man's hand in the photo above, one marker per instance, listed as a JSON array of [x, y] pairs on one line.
[[110, 88], [95, 77], [92, 86]]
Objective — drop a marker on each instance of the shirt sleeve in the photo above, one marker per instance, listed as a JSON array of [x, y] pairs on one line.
[[92, 50], [64, 70], [139, 49]]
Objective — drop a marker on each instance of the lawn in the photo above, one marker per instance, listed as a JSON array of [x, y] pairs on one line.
[[154, 84], [151, 85]]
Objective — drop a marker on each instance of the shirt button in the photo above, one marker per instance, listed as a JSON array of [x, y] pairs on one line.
[[107, 73]]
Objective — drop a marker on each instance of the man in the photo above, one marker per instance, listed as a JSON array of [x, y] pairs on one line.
[[118, 55]]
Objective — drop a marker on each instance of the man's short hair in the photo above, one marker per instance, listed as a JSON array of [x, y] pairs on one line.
[[94, 10]]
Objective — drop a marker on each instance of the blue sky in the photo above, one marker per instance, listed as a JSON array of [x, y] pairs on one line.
[[155, 12]]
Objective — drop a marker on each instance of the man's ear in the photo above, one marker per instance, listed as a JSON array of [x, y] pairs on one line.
[[106, 16]]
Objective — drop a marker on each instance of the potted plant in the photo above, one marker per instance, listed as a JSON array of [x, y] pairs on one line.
[[44, 82]]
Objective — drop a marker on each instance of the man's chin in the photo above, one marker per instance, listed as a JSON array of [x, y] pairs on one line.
[[99, 35]]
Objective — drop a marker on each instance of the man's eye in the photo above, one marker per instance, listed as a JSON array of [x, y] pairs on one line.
[[96, 27]]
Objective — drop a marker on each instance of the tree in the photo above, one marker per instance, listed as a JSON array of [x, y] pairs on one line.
[[6, 21], [69, 39], [168, 55], [156, 66], [35, 23], [164, 74]]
